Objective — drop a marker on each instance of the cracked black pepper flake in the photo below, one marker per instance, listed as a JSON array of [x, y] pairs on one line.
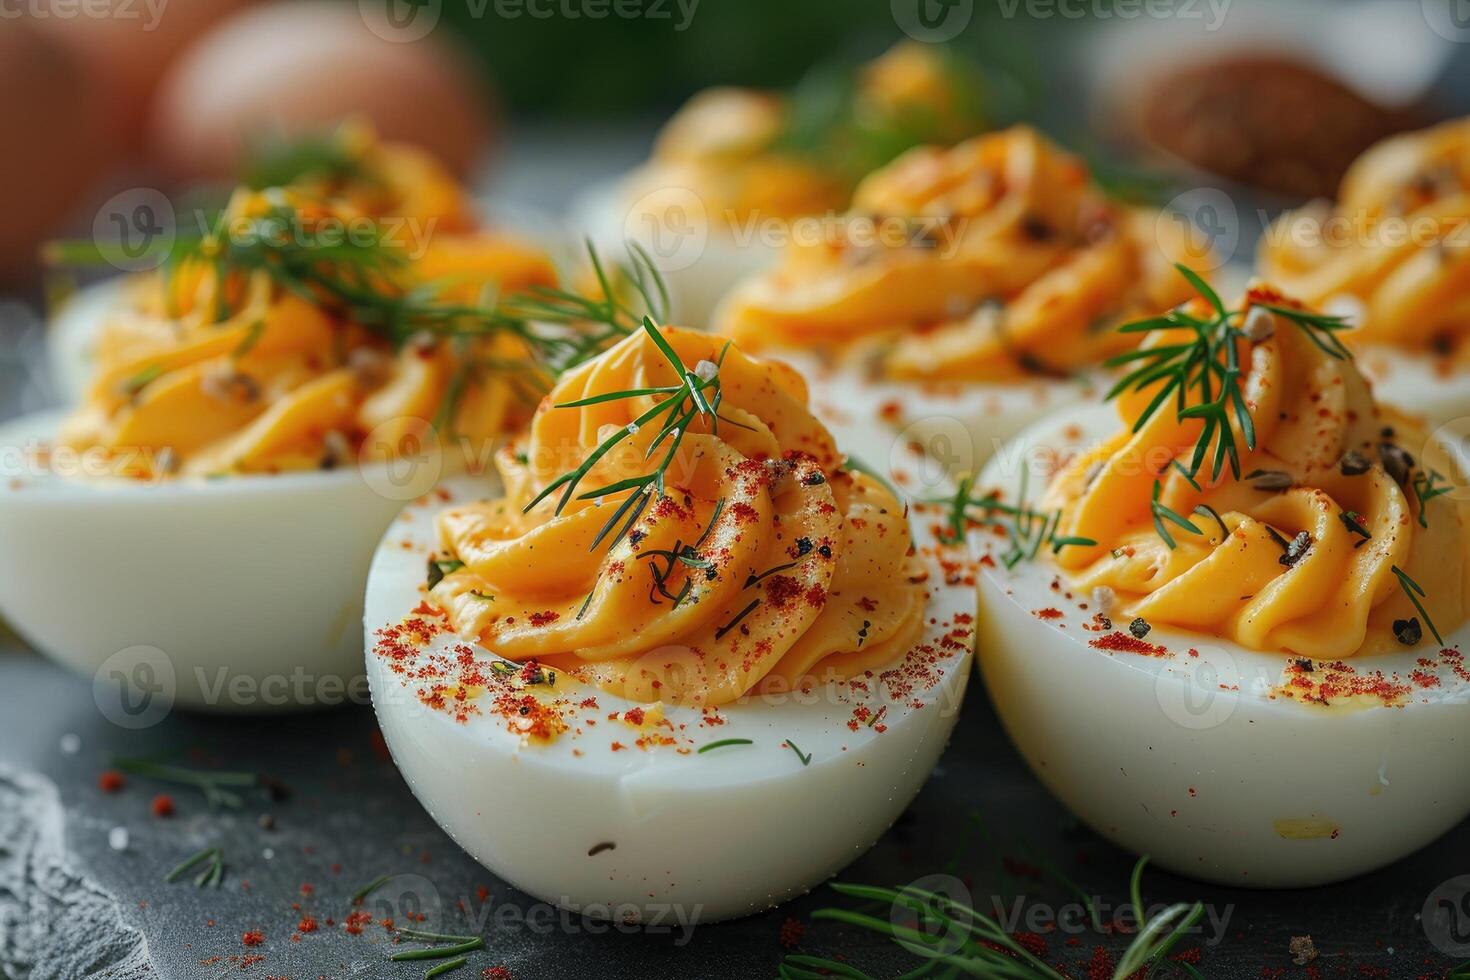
[[1304, 665], [1396, 462], [1408, 631], [1036, 228], [1298, 547], [1139, 628], [1353, 464], [803, 545], [815, 478], [1270, 480], [825, 551]]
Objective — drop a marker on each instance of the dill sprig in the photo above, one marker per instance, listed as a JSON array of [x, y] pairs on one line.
[[1162, 513], [453, 955], [956, 937], [362, 279], [210, 876], [1027, 531], [805, 757], [217, 786], [723, 743], [329, 158], [662, 562], [1415, 591], [1203, 373], [362, 893], [1426, 487], [830, 121], [696, 396]]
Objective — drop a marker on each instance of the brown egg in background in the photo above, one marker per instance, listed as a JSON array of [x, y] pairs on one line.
[[126, 46], [54, 143], [290, 68]]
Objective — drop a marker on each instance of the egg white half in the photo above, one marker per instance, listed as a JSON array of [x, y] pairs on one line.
[[702, 836], [245, 591], [72, 337], [1418, 384], [1198, 757], [956, 426]]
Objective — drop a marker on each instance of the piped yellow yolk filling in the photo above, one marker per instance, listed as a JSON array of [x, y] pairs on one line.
[[763, 567], [1299, 553], [214, 374], [726, 147], [1012, 262], [1394, 252]]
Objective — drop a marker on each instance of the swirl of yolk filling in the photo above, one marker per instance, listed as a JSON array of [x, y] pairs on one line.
[[1397, 243], [989, 261], [735, 149], [764, 566], [1256, 580], [236, 373]]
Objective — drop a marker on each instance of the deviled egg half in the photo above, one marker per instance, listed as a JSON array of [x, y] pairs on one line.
[[1392, 257], [968, 292], [737, 172], [679, 630], [262, 407], [1226, 627]]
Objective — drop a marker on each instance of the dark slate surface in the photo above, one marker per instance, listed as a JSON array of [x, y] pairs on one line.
[[350, 818]]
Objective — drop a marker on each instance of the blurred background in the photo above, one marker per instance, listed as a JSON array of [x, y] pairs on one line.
[[533, 100]]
